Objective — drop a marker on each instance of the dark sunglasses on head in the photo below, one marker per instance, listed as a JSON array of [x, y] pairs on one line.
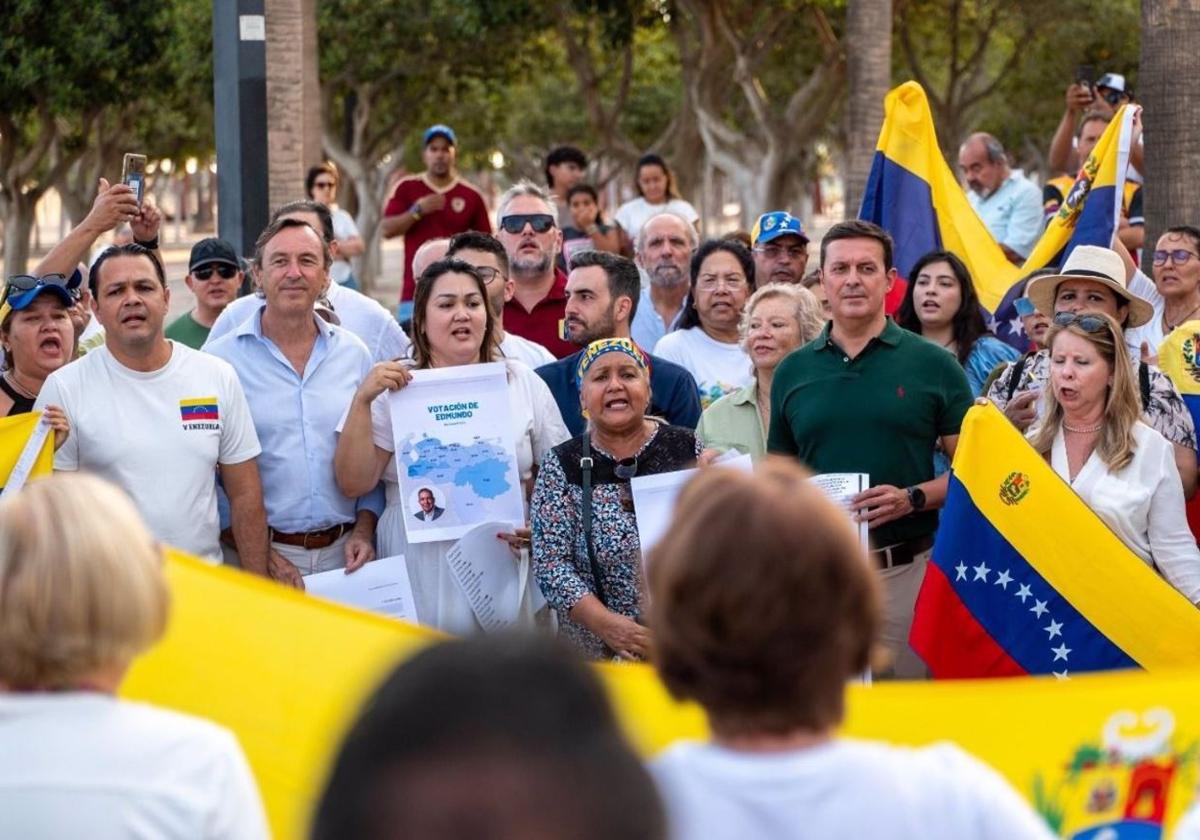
[[626, 468], [540, 222], [27, 282], [1178, 256], [1088, 323], [227, 272]]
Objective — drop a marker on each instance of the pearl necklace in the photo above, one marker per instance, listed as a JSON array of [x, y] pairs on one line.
[[1083, 431]]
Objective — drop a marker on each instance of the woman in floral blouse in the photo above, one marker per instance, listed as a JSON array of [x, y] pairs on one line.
[[621, 442]]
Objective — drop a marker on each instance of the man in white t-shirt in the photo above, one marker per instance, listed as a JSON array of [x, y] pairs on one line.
[[487, 254], [158, 418], [772, 681]]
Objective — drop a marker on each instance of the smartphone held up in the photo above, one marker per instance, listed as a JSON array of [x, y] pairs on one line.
[[133, 174]]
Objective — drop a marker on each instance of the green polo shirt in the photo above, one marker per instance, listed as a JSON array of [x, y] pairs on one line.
[[879, 413]]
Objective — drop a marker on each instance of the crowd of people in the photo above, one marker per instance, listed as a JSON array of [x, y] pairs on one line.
[[256, 430]]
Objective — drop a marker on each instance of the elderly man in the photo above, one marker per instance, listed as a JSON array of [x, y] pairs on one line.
[[868, 397], [780, 248], [665, 245], [356, 312], [299, 374], [487, 254], [214, 277], [158, 418], [530, 234], [602, 299], [1009, 205]]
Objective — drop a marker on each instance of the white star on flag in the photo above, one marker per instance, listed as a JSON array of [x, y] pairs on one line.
[[962, 571], [981, 572], [1055, 628], [992, 324], [1015, 326], [1038, 608], [1004, 580], [1061, 651], [1024, 593]]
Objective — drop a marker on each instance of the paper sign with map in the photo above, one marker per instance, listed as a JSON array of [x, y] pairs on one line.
[[455, 453]]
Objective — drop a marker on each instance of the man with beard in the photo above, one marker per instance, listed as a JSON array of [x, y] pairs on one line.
[[529, 232], [436, 203], [602, 298], [485, 252], [780, 248], [664, 248]]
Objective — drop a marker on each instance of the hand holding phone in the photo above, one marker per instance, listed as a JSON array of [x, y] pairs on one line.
[[133, 174]]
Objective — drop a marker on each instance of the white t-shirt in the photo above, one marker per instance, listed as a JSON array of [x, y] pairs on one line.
[[343, 228], [157, 435], [1151, 332], [843, 789], [717, 367], [80, 764], [523, 350], [356, 312], [633, 214]]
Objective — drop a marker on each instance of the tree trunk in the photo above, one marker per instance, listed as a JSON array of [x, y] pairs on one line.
[[1166, 79], [869, 71], [18, 223]]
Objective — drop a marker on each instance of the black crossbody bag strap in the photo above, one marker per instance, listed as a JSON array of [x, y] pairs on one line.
[[585, 464], [1014, 375]]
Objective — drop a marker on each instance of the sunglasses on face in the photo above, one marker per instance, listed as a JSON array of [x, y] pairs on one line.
[[1178, 256], [1112, 97], [1088, 323], [323, 185], [227, 272], [540, 222], [27, 282]]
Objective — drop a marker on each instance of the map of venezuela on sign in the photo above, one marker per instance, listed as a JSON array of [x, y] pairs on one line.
[[480, 467]]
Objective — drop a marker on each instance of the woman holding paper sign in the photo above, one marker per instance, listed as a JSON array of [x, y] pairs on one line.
[[452, 325], [586, 551]]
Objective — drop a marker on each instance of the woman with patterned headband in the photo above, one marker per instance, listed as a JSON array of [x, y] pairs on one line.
[[586, 552]]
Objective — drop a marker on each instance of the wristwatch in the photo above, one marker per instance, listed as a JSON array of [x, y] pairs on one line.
[[416, 211], [149, 244], [916, 497]]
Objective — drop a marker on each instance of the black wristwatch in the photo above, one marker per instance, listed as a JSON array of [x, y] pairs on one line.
[[149, 244], [916, 497]]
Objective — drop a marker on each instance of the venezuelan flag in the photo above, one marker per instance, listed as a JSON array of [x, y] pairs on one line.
[[913, 195], [1026, 579], [14, 434], [199, 408]]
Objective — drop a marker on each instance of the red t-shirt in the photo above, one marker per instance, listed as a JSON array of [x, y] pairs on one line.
[[465, 210], [545, 323]]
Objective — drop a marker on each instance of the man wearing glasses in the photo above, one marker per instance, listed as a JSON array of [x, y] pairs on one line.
[[214, 277], [530, 235], [485, 252], [780, 248]]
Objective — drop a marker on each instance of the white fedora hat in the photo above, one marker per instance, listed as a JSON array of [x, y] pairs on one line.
[[1099, 265]]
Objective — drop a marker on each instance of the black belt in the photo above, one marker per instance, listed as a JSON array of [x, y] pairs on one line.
[[901, 554]]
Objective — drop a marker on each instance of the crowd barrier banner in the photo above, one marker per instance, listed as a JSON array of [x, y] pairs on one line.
[[288, 673], [1026, 579], [14, 433]]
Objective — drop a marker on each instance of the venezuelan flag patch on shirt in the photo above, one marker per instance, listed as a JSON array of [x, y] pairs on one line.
[[199, 410]]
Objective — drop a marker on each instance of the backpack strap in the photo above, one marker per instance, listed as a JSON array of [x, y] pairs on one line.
[[1144, 384], [1014, 375]]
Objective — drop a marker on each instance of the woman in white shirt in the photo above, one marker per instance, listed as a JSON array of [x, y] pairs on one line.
[[452, 325], [656, 194], [707, 341], [82, 592], [1094, 438]]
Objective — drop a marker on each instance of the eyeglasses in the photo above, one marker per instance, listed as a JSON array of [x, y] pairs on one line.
[[774, 252], [1178, 256], [488, 274], [540, 222], [1088, 323], [733, 282], [324, 185], [227, 272], [27, 282]]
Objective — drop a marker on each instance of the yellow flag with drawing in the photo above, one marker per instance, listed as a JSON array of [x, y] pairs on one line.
[[26, 450]]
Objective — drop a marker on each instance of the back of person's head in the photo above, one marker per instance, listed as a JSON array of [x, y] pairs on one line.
[[81, 583], [624, 279], [762, 604], [306, 205], [490, 737]]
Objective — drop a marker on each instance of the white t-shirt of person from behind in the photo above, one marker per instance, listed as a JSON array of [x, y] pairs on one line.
[[633, 214], [718, 368], [842, 789], [158, 435], [84, 764]]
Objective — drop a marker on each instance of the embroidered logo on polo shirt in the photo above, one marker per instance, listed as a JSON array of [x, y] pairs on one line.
[[200, 413], [458, 204], [900, 391]]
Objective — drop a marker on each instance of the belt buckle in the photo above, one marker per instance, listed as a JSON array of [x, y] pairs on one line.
[[304, 544]]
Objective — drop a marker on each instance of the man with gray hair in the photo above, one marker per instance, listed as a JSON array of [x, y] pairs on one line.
[[664, 249], [1009, 205], [531, 237]]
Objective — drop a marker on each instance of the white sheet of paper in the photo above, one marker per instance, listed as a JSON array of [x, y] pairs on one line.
[[455, 438], [654, 499], [381, 586], [490, 575], [841, 487]]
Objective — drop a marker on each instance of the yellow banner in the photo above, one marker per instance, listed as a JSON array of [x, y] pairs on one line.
[[14, 432], [288, 673]]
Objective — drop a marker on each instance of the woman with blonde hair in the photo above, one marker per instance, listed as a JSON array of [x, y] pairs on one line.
[[777, 319], [82, 592], [1094, 437]]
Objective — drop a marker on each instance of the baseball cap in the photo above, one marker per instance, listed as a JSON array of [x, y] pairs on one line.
[[23, 289], [1112, 81], [213, 250], [774, 225], [439, 130]]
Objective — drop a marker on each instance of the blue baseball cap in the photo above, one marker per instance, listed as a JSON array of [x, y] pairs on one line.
[[439, 130], [774, 225], [23, 289]]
